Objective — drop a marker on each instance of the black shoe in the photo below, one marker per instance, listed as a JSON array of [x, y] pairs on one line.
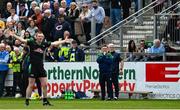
[[47, 103], [102, 98], [27, 102], [109, 99]]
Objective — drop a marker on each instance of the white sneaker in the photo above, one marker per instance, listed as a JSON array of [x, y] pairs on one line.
[[18, 95]]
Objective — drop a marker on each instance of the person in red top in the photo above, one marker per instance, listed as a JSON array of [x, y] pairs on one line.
[[37, 17]]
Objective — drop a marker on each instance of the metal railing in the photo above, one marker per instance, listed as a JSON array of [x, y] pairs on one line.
[[166, 25], [168, 56], [120, 28]]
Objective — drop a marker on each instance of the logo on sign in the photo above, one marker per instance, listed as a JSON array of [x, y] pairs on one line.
[[159, 72]]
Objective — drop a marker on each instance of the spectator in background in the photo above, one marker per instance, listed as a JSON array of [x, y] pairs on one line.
[[55, 11], [105, 62], [64, 50], [17, 72], [4, 58], [17, 5], [86, 23], [99, 14], [141, 49], [20, 29], [106, 6], [23, 12], [126, 4], [130, 50], [45, 6], [31, 10], [8, 39], [13, 18], [115, 11], [37, 17], [32, 29], [48, 21], [7, 11], [64, 5], [27, 35], [76, 54], [73, 14], [157, 48], [60, 27]]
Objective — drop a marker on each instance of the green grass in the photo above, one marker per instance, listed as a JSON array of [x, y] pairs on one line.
[[91, 104]]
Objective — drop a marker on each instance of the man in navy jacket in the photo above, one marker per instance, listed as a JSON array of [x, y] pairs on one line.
[[105, 67]]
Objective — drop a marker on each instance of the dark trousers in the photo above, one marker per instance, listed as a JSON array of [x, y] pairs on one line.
[[87, 30], [17, 81], [98, 31], [125, 13], [25, 82], [105, 79], [2, 81], [115, 82]]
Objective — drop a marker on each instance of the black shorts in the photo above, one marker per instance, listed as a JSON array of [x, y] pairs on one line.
[[37, 71]]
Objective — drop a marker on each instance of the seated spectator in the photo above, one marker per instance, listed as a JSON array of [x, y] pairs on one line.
[[32, 29], [8, 39], [76, 54], [130, 50], [141, 49], [157, 48], [13, 18]]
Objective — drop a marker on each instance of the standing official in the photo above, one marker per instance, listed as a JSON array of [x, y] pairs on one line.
[[116, 70], [105, 62]]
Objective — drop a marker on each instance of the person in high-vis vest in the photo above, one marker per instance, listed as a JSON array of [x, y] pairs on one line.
[[76, 54], [17, 75], [64, 49]]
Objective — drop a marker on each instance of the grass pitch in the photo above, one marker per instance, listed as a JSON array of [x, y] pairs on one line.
[[12, 103]]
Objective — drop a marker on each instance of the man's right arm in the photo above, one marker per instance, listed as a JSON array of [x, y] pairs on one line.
[[19, 38]]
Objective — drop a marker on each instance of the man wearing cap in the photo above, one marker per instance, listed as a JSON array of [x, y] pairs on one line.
[[116, 70]]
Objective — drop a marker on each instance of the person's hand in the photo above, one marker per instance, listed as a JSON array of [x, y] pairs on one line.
[[11, 33]]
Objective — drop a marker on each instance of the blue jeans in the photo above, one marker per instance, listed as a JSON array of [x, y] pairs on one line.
[[98, 30], [115, 16], [136, 5], [2, 81]]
